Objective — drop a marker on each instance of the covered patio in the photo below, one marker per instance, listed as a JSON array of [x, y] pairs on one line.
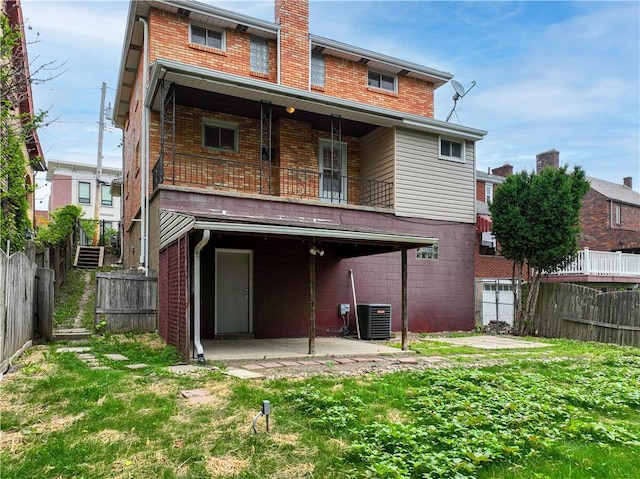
[[294, 348]]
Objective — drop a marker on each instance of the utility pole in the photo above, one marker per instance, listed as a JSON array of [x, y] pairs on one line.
[[98, 201]]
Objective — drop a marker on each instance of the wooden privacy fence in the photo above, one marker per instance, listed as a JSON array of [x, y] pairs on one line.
[[126, 302], [26, 305], [570, 311]]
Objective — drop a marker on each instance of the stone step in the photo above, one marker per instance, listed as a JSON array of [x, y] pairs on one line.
[[71, 334]]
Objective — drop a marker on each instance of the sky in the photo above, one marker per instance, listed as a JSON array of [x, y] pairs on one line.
[[549, 75]]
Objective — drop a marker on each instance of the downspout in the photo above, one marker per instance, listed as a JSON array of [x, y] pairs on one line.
[[196, 295], [278, 50], [144, 201]]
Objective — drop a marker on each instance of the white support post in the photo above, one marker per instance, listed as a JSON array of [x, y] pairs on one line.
[[586, 262]]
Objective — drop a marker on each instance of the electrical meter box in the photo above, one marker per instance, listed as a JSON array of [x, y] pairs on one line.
[[345, 308]]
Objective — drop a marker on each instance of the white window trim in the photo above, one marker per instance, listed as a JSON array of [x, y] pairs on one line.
[[463, 148], [618, 214], [223, 40], [395, 80], [213, 123], [488, 192]]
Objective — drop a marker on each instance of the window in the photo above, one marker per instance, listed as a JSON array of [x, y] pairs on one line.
[[207, 37], [488, 193], [380, 80], [106, 199], [452, 150], [317, 69], [618, 219], [84, 192], [259, 55], [428, 252], [221, 136]]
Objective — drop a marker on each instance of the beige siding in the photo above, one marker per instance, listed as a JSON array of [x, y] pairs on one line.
[[376, 155], [427, 187]]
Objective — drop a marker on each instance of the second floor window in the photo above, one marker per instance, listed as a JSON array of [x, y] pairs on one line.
[[221, 136], [452, 150], [488, 193], [207, 37], [380, 80], [259, 55], [317, 69], [618, 214], [84, 192], [106, 199]]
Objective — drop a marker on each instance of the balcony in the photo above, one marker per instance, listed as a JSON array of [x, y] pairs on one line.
[[261, 179], [601, 267]]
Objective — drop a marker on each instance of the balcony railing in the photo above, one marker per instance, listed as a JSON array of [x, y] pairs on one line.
[[245, 177], [602, 263]]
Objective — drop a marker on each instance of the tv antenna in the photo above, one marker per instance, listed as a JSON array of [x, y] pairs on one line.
[[460, 93]]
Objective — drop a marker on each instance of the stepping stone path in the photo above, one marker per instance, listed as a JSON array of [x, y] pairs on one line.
[[93, 362]]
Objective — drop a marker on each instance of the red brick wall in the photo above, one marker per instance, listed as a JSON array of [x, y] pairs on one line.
[[293, 17], [169, 39], [347, 79], [480, 187], [599, 232]]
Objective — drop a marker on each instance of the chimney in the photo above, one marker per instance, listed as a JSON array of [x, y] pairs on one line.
[[293, 17], [628, 182], [504, 170], [547, 158]]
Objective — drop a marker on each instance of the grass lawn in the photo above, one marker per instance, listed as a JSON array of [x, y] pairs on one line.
[[568, 411]]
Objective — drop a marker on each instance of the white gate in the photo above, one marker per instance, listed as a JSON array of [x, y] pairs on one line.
[[497, 301]]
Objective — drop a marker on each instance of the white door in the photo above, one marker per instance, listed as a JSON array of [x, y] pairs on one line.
[[233, 291], [333, 171], [497, 302]]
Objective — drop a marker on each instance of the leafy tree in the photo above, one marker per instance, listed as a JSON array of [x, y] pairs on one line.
[[63, 221], [536, 224]]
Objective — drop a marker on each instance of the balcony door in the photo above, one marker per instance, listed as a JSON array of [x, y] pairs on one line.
[[333, 171]]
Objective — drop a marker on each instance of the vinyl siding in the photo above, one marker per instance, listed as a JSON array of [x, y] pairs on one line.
[[377, 153], [427, 187]]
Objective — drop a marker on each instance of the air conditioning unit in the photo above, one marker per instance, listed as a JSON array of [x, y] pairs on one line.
[[374, 321]]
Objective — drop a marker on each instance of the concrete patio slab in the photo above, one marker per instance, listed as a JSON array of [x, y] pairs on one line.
[[287, 348], [490, 342], [73, 349]]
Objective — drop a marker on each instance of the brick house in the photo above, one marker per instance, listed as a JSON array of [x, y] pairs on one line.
[[263, 164], [609, 222]]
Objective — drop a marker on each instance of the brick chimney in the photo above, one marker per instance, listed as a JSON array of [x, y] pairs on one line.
[[293, 17], [504, 170], [547, 158], [628, 182]]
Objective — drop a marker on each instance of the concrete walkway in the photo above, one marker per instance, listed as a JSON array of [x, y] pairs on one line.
[[489, 342]]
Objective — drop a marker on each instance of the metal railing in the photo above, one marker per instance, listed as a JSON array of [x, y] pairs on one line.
[[602, 263], [230, 175]]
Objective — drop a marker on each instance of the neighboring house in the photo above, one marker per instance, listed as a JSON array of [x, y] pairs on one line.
[[75, 184], [494, 296], [262, 164], [23, 100], [609, 235]]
